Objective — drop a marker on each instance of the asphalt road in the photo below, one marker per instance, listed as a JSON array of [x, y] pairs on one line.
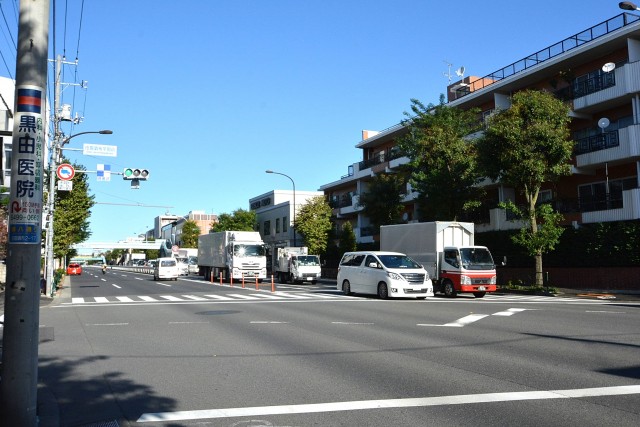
[[133, 351]]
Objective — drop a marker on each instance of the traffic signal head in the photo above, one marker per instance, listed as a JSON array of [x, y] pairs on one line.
[[135, 173]]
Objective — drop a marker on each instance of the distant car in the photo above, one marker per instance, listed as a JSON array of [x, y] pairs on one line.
[[183, 266], [166, 268], [74, 269]]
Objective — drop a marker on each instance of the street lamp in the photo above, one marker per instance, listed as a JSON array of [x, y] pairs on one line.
[[627, 5], [56, 148], [294, 203]]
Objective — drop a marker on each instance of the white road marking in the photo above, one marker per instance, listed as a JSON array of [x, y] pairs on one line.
[[77, 300], [509, 312], [219, 297], [388, 403], [295, 296], [124, 299], [240, 296], [101, 299], [466, 320], [171, 298], [194, 298], [115, 286], [146, 298]]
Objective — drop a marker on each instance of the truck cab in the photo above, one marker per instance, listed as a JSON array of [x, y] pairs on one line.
[[466, 269]]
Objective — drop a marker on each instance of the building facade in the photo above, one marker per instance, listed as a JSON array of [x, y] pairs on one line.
[[597, 73], [275, 214]]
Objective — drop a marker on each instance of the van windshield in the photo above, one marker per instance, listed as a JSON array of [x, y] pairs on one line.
[[308, 260], [398, 261], [476, 259]]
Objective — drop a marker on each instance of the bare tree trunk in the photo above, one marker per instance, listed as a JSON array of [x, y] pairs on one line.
[[534, 230]]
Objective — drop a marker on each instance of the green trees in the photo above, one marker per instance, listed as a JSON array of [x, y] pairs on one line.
[[525, 146], [313, 222], [190, 233], [71, 215], [382, 202], [239, 220], [443, 163]]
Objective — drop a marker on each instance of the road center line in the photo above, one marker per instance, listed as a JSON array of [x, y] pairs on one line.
[[388, 403]]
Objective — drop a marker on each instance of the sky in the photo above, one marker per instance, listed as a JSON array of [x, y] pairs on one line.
[[208, 94]]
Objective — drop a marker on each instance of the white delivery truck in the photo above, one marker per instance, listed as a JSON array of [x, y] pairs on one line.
[[296, 265], [190, 257], [237, 254], [447, 251]]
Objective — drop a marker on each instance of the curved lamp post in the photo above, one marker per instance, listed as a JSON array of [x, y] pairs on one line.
[[627, 5], [57, 146], [294, 203]]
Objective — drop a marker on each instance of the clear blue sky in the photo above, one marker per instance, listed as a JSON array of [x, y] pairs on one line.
[[208, 94]]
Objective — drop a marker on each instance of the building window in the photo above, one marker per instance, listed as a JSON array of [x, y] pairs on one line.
[[277, 225], [267, 228], [285, 224]]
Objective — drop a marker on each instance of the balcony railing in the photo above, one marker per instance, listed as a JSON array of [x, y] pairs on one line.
[[559, 48], [597, 142], [600, 203], [385, 156]]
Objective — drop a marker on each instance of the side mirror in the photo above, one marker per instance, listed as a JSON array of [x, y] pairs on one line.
[[373, 264]]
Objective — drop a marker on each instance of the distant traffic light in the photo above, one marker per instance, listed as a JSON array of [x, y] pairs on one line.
[[134, 173]]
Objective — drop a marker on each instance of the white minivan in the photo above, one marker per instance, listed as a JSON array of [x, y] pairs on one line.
[[386, 274], [166, 268]]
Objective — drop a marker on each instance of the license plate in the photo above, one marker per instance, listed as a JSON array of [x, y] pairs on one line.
[[481, 288], [249, 274]]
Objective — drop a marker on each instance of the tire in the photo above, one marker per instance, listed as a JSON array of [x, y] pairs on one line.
[[449, 290], [383, 291], [346, 287], [479, 294]]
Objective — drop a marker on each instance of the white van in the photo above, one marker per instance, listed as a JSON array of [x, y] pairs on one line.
[[386, 274], [166, 268]]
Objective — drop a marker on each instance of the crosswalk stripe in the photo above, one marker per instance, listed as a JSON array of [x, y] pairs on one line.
[[77, 300], [251, 297], [171, 298], [314, 295], [294, 296], [124, 299], [194, 298], [146, 298], [101, 299], [219, 297], [267, 296]]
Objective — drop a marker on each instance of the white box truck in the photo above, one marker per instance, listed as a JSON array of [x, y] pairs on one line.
[[296, 265], [446, 250], [189, 256], [237, 254]]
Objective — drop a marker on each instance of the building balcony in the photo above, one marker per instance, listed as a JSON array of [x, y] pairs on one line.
[[621, 82], [607, 209], [623, 144]]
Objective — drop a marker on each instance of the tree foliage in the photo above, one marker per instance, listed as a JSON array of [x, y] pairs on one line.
[[382, 201], [71, 215], [190, 233], [442, 161], [313, 222], [239, 220], [525, 146], [348, 241]]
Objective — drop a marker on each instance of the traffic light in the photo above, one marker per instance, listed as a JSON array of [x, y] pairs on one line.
[[135, 173]]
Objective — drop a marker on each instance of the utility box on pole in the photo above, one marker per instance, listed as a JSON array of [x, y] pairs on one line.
[[18, 387]]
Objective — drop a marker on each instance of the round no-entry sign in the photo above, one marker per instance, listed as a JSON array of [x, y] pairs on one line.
[[65, 172]]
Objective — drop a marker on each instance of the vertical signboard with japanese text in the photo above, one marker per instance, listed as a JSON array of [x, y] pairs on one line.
[[25, 212]]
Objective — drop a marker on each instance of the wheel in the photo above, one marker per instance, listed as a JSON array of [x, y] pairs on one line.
[[479, 294], [346, 287], [383, 291], [449, 290], [313, 282]]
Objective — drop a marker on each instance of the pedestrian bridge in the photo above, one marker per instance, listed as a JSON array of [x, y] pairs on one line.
[[125, 244]]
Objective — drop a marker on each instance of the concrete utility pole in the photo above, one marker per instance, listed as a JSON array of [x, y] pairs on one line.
[[18, 386]]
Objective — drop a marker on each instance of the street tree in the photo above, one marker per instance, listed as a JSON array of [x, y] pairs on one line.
[[71, 215], [382, 201], [239, 220], [347, 241], [525, 146], [313, 222], [190, 233], [442, 160]]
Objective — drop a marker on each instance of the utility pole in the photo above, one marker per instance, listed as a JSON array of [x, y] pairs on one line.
[[18, 386]]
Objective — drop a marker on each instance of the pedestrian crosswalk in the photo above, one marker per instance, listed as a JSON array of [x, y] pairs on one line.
[[271, 296], [324, 295]]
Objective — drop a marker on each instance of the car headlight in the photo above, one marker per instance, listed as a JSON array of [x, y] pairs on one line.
[[493, 280], [395, 276], [465, 280]]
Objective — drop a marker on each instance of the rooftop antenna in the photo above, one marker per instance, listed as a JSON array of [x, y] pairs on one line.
[[460, 72], [448, 73]]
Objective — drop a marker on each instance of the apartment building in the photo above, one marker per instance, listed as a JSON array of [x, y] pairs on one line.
[[597, 72]]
